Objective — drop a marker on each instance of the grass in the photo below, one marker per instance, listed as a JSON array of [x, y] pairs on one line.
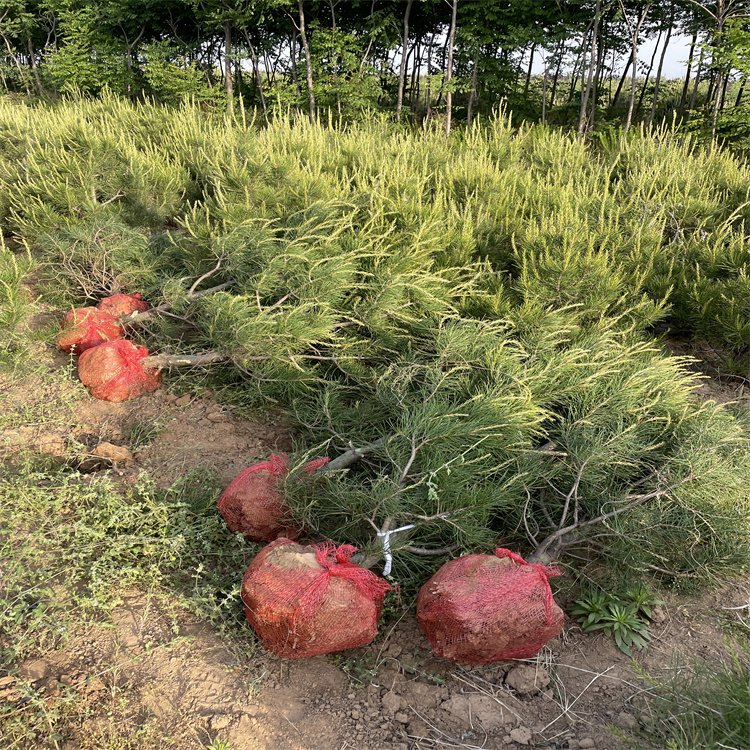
[[72, 543], [704, 707]]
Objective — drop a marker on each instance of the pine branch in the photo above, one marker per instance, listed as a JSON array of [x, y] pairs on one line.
[[555, 541], [136, 318], [350, 457], [160, 361]]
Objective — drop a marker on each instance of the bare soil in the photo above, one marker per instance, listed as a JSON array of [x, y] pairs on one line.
[[187, 686]]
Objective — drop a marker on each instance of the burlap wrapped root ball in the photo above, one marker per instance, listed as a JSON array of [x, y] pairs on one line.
[[114, 371], [253, 504], [306, 601], [86, 327], [119, 305], [480, 609]]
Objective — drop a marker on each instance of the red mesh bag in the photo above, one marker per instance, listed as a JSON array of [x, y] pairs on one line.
[[122, 304], [85, 327], [252, 504], [480, 609], [307, 601], [113, 371]]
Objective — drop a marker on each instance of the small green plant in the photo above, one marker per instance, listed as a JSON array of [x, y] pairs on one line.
[[218, 744], [142, 433], [626, 617]]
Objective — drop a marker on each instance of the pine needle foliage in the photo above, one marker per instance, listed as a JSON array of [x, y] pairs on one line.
[[478, 307]]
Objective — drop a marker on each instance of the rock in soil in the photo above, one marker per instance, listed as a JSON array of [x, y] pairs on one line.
[[391, 702], [117, 454], [521, 735], [527, 680]]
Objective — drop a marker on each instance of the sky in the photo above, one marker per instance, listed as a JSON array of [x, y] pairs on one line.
[[675, 63]]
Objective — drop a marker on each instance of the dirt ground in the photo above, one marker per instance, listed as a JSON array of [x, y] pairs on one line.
[[198, 687]]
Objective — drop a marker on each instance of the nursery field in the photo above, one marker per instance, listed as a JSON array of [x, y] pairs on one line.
[[500, 339]]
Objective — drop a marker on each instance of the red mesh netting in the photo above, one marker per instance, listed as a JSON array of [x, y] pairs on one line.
[[252, 504], [307, 601], [113, 371], [85, 327], [480, 609], [122, 304]]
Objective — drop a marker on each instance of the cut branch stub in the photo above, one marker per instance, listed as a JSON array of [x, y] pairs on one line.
[[139, 317], [161, 361]]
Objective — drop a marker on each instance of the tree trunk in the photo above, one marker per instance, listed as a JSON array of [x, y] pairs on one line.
[[528, 72], [544, 90], [578, 67], [402, 67], [449, 70], [556, 77], [414, 83], [256, 74], [642, 95], [308, 61], [428, 81], [724, 91], [597, 77], [698, 72], [294, 60], [636, 35], [686, 86], [583, 114], [621, 82], [657, 82], [228, 79], [35, 69], [738, 100], [473, 91]]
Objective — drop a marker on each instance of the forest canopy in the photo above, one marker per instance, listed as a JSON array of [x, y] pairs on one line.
[[572, 62]]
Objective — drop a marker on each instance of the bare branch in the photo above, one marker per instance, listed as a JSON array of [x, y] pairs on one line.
[[160, 361], [424, 552], [206, 275], [137, 317], [555, 540], [351, 456]]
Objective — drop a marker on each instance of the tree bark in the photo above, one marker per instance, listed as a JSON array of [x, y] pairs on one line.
[[594, 99], [404, 55], [698, 72], [544, 90], [555, 78], [738, 100], [686, 86], [657, 82], [473, 91], [636, 35], [642, 95], [414, 83], [35, 69], [449, 70], [724, 91], [228, 79], [578, 66], [256, 74], [528, 72], [583, 114], [428, 82], [621, 82], [308, 61]]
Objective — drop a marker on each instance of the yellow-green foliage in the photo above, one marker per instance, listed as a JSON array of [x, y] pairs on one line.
[[479, 302], [647, 224]]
